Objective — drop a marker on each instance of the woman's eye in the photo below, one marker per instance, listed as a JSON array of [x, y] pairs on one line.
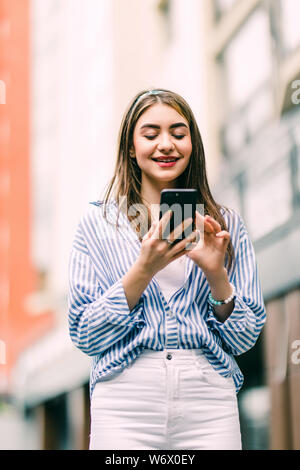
[[150, 137], [177, 136]]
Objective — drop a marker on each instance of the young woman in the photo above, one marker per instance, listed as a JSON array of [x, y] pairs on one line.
[[162, 321]]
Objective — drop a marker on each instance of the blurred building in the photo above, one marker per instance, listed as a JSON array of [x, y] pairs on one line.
[[69, 102], [86, 61], [83, 64], [253, 94], [19, 278]]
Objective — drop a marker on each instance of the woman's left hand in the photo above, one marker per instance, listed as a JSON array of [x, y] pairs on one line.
[[209, 252]]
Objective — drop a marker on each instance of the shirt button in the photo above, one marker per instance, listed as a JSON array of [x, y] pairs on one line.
[[169, 356]]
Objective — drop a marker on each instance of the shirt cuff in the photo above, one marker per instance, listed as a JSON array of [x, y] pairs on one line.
[[117, 310]]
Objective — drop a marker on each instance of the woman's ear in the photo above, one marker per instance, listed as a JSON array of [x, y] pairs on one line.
[[132, 152]]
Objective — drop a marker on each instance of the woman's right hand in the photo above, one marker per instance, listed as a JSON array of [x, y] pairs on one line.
[[156, 252]]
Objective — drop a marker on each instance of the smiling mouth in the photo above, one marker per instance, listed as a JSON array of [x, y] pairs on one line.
[[165, 160]]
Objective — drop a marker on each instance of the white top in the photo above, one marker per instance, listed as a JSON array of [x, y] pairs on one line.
[[171, 278]]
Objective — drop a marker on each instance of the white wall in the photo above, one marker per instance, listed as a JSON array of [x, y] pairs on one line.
[[72, 106]]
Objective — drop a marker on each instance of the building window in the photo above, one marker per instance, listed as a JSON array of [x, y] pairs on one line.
[[164, 7], [264, 214], [246, 73], [290, 14], [247, 59], [56, 432]]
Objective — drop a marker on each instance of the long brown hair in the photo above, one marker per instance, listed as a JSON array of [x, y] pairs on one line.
[[126, 180]]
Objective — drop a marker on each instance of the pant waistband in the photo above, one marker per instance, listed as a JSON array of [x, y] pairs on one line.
[[175, 353], [169, 357]]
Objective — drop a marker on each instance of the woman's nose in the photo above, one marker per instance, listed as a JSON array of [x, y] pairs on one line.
[[165, 143]]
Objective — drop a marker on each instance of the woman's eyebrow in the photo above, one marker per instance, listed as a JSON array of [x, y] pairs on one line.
[[155, 126]]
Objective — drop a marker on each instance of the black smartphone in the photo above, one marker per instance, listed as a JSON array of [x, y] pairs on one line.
[[183, 203]]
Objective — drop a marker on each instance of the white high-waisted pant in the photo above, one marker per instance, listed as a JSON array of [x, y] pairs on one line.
[[171, 399]]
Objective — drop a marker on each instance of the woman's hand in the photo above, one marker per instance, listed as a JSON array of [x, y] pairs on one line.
[[209, 252], [156, 252]]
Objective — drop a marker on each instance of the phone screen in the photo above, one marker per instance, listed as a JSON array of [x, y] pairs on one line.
[[183, 204]]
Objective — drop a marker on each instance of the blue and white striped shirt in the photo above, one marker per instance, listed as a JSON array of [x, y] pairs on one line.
[[102, 326]]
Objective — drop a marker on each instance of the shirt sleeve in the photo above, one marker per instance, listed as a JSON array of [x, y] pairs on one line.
[[240, 331], [97, 318]]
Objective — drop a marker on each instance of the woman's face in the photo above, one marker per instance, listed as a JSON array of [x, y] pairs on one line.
[[162, 144]]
